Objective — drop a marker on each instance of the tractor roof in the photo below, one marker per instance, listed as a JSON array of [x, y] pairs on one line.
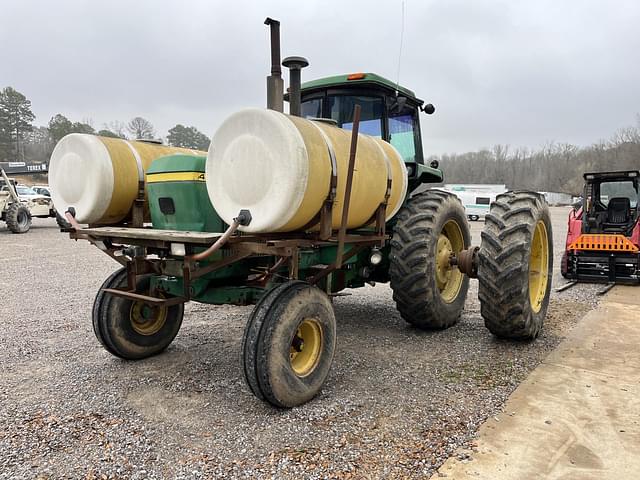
[[358, 79], [619, 175]]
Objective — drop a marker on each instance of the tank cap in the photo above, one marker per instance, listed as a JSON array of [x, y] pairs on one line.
[[244, 217]]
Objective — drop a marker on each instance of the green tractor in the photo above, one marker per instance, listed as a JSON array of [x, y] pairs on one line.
[[424, 252]]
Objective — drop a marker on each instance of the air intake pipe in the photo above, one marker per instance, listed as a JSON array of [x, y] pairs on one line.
[[295, 65], [275, 84]]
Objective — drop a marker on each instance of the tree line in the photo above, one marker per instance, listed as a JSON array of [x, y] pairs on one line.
[[555, 167], [21, 140]]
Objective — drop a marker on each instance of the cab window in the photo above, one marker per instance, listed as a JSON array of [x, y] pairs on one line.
[[626, 188], [311, 108], [402, 135]]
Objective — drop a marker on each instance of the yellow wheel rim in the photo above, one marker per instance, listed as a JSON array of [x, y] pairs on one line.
[[538, 267], [147, 320], [306, 347], [448, 277]]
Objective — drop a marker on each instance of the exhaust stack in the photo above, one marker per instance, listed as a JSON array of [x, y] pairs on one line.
[[295, 65], [275, 84]]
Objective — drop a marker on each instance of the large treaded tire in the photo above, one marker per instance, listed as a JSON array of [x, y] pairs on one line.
[[267, 342], [413, 260], [18, 218], [503, 266], [115, 330]]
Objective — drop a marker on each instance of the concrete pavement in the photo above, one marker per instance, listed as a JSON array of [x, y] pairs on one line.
[[577, 416]]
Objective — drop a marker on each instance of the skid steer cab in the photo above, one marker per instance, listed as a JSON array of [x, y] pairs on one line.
[[603, 237]]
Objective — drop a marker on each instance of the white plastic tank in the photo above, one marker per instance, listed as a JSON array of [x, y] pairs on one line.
[[279, 167], [99, 176]]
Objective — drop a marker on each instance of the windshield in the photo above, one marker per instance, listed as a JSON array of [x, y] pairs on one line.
[[341, 110], [625, 189], [401, 131], [311, 108], [25, 191]]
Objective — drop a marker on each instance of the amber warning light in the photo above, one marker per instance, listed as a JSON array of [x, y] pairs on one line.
[[356, 76]]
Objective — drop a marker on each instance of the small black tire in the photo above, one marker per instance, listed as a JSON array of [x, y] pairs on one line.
[[515, 265], [120, 324], [278, 367], [18, 218], [417, 263]]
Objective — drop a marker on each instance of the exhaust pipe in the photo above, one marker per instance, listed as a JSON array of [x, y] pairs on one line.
[[295, 65], [275, 84]]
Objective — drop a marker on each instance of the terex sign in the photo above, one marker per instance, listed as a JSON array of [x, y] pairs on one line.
[[15, 168]]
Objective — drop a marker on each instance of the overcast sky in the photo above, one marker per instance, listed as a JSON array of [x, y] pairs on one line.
[[511, 72]]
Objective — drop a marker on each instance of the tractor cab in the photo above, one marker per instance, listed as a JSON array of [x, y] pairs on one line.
[[388, 111], [611, 202]]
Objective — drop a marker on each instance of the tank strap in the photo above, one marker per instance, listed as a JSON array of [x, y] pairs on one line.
[[137, 213], [136, 155], [333, 185]]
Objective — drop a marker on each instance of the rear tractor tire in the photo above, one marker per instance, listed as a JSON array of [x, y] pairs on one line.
[[429, 292], [129, 329], [515, 265], [288, 344], [18, 218]]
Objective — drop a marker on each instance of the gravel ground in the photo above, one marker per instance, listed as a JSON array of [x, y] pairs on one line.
[[397, 403]]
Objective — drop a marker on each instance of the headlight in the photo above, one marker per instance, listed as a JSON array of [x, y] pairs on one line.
[[376, 257], [178, 250]]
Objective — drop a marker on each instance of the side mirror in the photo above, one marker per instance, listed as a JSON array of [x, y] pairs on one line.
[[428, 108]]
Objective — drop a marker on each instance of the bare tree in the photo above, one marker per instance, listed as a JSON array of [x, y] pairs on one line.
[[554, 167], [117, 127], [141, 128]]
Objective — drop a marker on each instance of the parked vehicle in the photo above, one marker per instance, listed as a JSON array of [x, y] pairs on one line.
[[42, 190], [476, 203], [603, 235]]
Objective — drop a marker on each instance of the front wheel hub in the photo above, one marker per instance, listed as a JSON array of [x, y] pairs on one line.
[[147, 320], [306, 347]]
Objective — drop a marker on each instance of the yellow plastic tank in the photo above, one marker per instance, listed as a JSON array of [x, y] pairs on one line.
[[99, 176], [279, 167]]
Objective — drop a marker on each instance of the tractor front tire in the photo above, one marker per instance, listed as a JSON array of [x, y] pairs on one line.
[[129, 329], [288, 344], [515, 265], [428, 291], [18, 218]]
